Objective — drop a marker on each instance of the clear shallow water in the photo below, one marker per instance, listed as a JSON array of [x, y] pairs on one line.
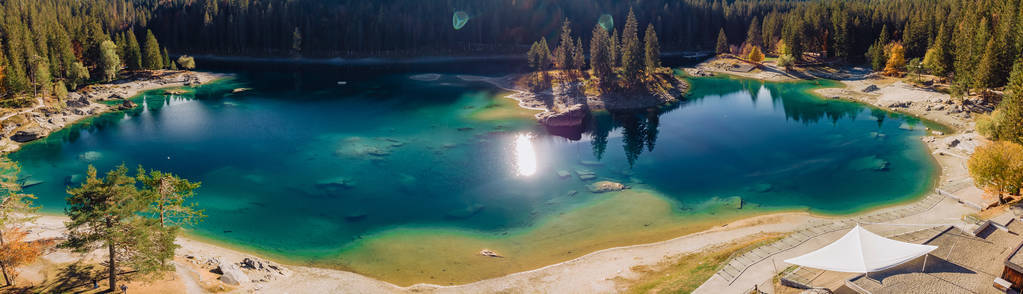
[[306, 168]]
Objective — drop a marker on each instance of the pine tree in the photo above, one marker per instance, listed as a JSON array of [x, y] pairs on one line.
[[563, 53], [168, 195], [109, 63], [152, 59], [133, 52], [653, 49], [987, 69], [631, 62], [578, 56], [877, 52], [938, 59], [753, 34], [722, 44], [166, 58], [614, 48], [108, 212], [41, 78], [1011, 108], [600, 55], [296, 42]]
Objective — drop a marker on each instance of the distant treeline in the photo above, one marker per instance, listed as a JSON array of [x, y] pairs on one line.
[[344, 28]]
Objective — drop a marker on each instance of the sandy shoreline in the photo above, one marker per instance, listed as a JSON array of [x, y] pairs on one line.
[[595, 272]]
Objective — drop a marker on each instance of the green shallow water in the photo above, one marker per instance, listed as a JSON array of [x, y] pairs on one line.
[[393, 162]]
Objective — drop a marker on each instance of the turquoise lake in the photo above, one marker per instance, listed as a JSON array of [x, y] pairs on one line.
[[316, 159]]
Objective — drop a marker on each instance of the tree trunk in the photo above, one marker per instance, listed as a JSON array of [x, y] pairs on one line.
[[113, 266], [3, 267]]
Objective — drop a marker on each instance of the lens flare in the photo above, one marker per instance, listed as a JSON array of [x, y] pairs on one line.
[[459, 19], [525, 156], [607, 22]]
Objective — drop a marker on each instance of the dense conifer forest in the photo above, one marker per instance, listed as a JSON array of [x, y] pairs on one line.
[[46, 43]]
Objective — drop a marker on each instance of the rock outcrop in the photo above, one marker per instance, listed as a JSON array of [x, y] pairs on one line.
[[570, 116], [28, 134], [231, 274]]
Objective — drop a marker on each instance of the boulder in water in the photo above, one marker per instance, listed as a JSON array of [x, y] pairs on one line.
[[127, 104], [606, 186]]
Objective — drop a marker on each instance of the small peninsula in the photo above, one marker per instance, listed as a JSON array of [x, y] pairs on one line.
[[621, 76]]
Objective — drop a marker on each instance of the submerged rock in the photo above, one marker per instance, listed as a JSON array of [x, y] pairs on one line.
[[585, 175], [733, 202], [564, 174], [871, 162], [761, 188], [336, 183], [90, 156], [354, 217], [464, 213], [606, 186], [73, 180]]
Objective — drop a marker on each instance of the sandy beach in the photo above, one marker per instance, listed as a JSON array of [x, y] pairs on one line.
[[603, 271]]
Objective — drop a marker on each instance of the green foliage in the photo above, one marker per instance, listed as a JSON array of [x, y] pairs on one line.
[[152, 58], [600, 54], [578, 56], [786, 61], [722, 43], [78, 75], [753, 34], [136, 226], [877, 53], [109, 63], [653, 49], [563, 53], [1009, 122], [614, 48], [631, 62], [60, 90], [132, 52], [166, 58]]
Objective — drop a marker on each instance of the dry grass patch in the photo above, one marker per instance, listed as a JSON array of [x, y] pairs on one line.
[[684, 273]]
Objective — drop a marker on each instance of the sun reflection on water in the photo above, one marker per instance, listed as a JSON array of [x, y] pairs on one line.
[[525, 156]]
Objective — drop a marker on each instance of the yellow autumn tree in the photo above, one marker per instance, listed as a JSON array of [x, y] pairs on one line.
[[896, 60], [16, 252], [998, 166], [755, 55]]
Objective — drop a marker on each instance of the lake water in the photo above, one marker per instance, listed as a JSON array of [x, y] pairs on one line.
[[406, 172]]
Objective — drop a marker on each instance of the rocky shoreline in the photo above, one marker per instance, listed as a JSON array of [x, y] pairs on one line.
[[32, 123], [568, 103]]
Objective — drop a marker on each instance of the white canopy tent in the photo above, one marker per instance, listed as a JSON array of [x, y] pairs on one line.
[[861, 251]]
